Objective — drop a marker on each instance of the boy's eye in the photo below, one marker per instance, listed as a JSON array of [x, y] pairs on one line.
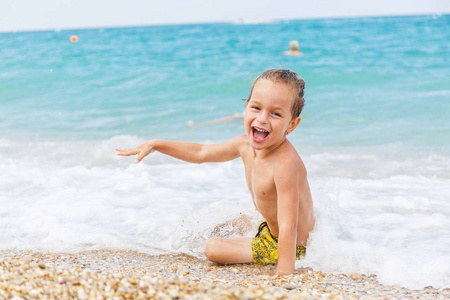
[[255, 107], [277, 114]]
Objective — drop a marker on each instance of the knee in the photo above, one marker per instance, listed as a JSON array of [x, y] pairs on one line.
[[211, 249]]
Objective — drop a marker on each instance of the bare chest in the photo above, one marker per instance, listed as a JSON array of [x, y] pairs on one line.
[[259, 176]]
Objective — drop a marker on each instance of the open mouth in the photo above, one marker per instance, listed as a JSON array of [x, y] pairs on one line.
[[259, 135]]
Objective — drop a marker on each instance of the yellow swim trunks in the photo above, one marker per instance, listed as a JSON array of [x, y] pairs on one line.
[[265, 247]]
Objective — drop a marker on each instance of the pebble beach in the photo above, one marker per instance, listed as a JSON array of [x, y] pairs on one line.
[[110, 274]]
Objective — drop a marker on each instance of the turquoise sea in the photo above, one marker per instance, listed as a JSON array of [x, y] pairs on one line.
[[375, 138]]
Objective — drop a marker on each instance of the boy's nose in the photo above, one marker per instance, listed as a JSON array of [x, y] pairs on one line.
[[262, 118]]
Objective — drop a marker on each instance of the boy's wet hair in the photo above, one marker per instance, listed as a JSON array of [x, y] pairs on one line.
[[291, 80]]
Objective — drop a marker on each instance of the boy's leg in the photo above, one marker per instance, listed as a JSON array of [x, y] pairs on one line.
[[229, 251]]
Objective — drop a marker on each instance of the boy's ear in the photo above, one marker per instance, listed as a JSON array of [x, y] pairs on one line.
[[293, 124]]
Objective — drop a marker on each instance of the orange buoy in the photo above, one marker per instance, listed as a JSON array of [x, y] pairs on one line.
[[74, 38]]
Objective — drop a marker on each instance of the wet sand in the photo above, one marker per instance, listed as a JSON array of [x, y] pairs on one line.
[[109, 274]]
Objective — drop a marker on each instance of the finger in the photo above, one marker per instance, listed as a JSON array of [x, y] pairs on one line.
[[126, 152], [140, 157], [122, 152], [143, 154]]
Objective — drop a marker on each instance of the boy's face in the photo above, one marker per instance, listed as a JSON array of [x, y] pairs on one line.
[[268, 116]]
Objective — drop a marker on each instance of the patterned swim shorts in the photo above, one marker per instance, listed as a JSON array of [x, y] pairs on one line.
[[265, 247]]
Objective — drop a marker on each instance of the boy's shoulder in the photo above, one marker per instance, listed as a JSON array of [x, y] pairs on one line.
[[287, 152], [288, 157], [240, 143], [243, 140]]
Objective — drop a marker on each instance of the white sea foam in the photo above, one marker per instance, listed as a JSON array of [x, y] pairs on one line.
[[387, 227], [377, 213]]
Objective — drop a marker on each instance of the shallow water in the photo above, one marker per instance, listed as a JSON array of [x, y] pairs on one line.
[[375, 137]]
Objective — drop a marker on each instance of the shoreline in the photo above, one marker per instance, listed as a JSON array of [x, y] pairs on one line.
[[111, 274]]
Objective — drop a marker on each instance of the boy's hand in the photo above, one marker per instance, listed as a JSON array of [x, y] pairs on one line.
[[141, 151]]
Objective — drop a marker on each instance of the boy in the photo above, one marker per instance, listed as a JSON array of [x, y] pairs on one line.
[[275, 173]]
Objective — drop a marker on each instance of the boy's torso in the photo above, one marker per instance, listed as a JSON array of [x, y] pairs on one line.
[[259, 173]]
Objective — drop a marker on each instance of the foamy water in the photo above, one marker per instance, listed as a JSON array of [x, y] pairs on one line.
[[375, 138], [74, 196]]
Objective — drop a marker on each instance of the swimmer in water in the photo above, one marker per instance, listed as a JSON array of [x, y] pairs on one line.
[[294, 49]]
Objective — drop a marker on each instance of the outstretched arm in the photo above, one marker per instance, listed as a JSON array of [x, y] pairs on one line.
[[190, 152]]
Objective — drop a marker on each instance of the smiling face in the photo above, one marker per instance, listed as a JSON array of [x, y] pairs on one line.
[[268, 116]]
